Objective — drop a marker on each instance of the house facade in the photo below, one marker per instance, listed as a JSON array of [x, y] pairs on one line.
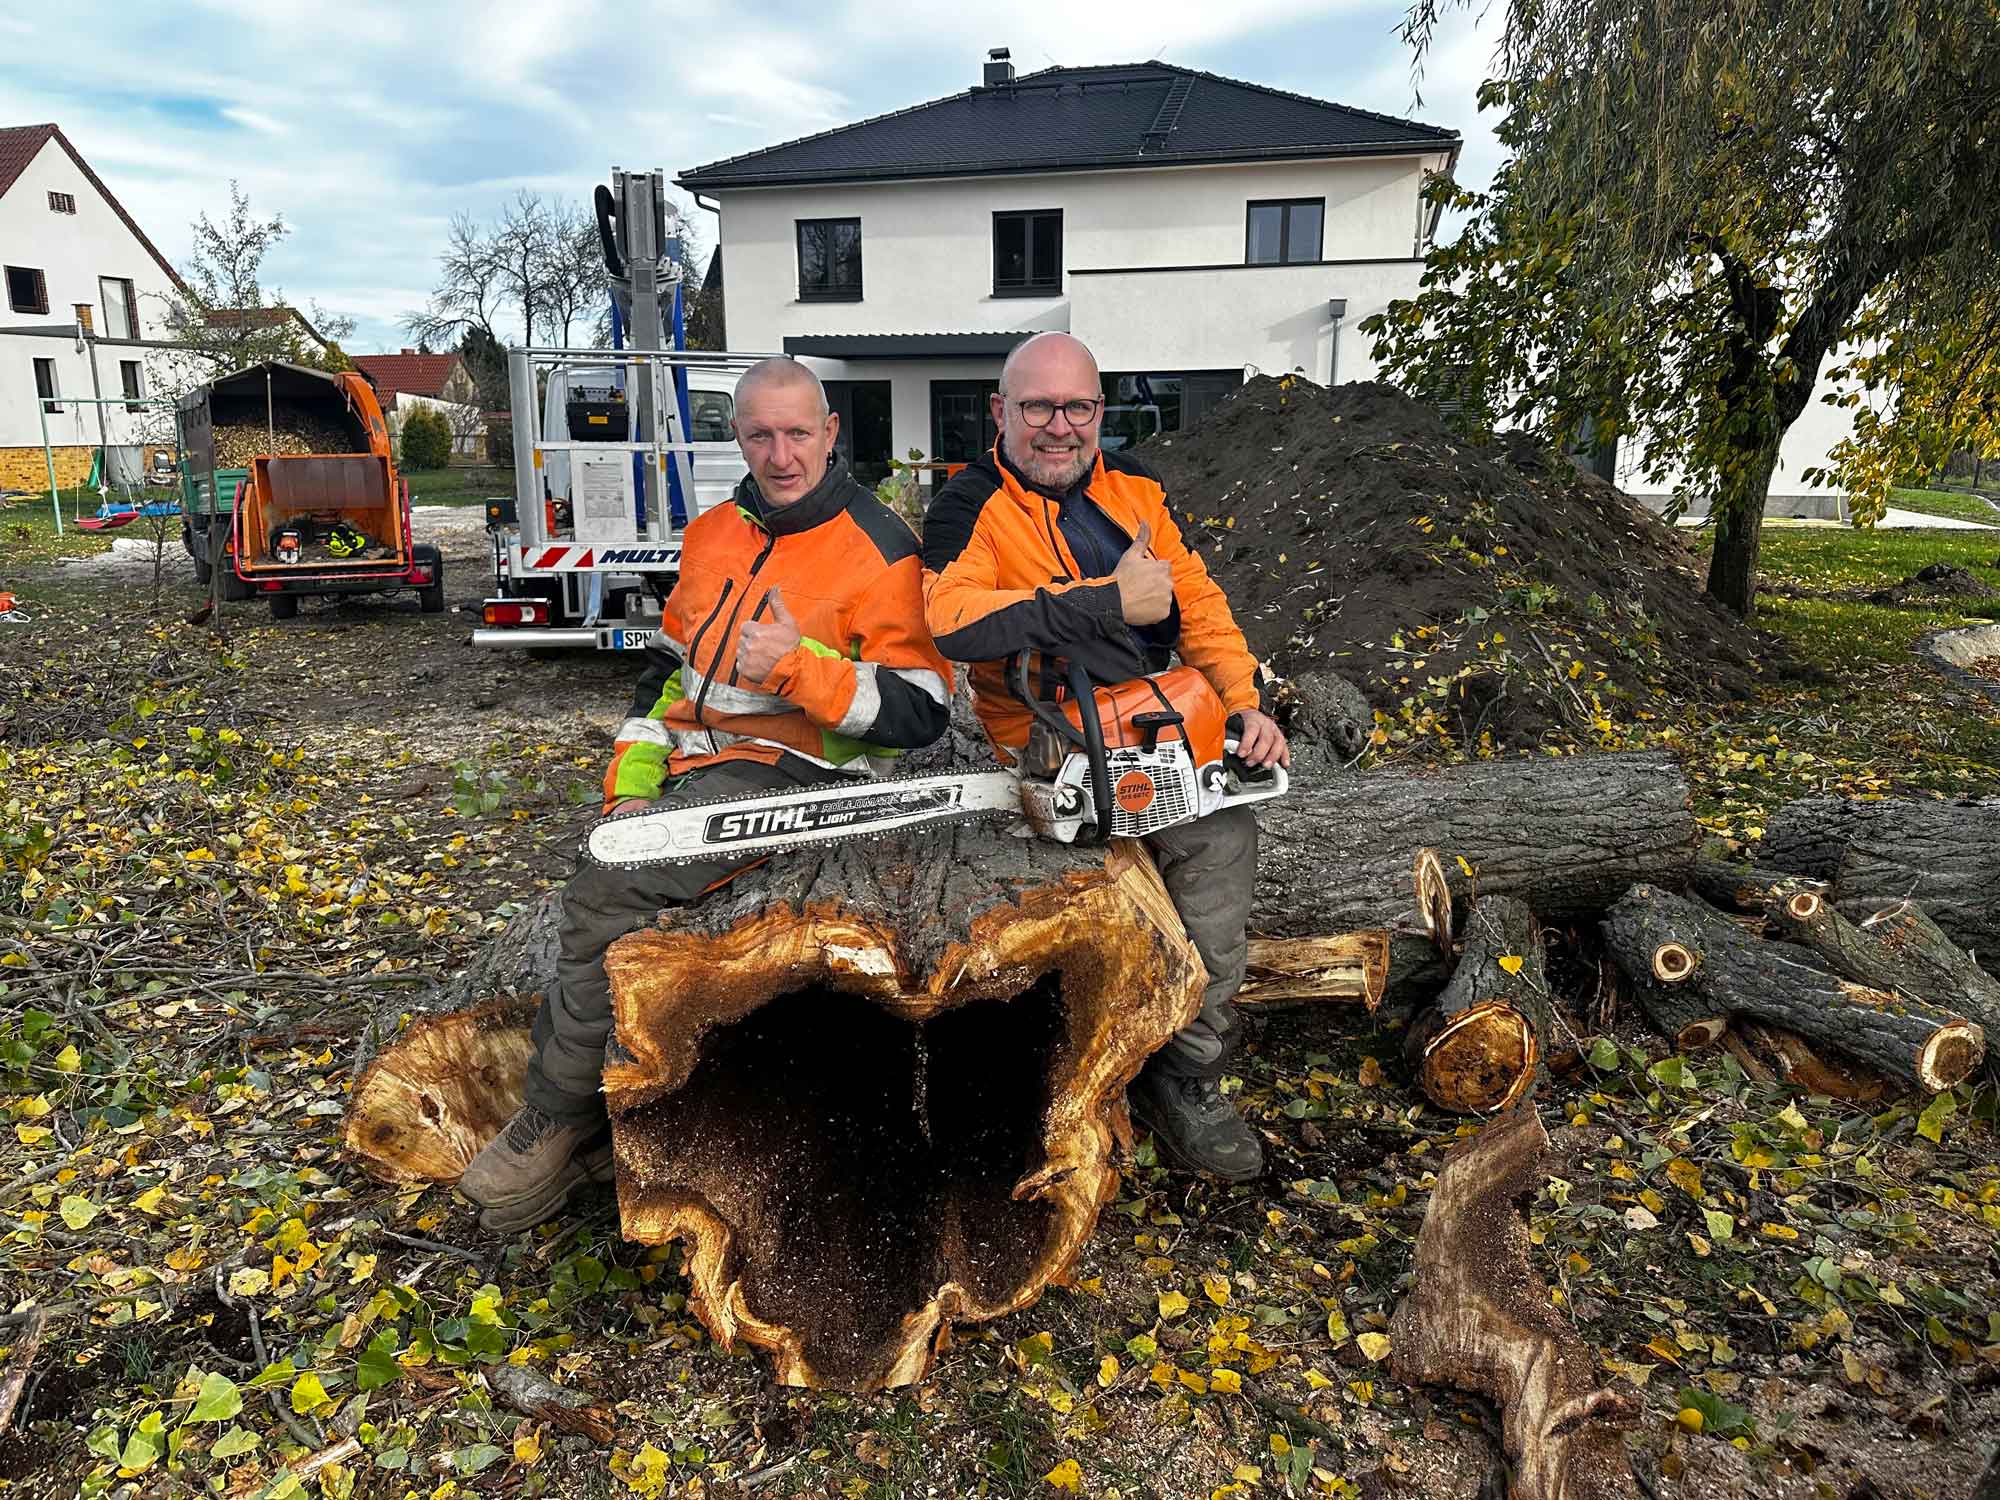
[[405, 381], [1192, 229], [72, 261]]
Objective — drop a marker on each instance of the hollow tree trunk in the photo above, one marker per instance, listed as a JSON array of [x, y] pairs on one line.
[[1944, 856], [1687, 960], [1478, 1048], [1478, 1318]]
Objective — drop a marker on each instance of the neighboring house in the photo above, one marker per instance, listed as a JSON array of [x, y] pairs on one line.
[[73, 262], [408, 380], [1192, 229], [307, 342]]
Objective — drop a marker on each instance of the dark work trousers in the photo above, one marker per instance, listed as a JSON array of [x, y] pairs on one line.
[[599, 906], [1210, 870]]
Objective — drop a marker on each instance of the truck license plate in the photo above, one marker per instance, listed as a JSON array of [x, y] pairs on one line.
[[623, 639]]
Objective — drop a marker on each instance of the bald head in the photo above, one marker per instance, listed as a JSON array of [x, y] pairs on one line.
[[1057, 353], [772, 375], [1051, 370]]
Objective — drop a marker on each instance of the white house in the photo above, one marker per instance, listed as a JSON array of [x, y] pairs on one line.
[[1189, 228], [70, 257]]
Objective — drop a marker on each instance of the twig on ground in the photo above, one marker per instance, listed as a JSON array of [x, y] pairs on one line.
[[307, 1438], [21, 1365]]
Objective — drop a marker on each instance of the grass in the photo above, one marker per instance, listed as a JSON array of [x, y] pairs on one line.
[[1951, 503], [28, 533], [457, 486]]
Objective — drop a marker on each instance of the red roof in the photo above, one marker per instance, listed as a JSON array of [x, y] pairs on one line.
[[411, 374], [21, 144]]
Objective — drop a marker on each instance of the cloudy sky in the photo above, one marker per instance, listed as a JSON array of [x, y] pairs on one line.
[[369, 124]]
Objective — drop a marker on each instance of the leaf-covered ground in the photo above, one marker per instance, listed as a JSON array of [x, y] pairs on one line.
[[223, 856]]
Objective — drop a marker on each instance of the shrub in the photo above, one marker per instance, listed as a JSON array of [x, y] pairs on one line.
[[500, 442], [426, 439]]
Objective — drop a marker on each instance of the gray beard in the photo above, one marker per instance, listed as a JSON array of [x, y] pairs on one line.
[[1086, 459]]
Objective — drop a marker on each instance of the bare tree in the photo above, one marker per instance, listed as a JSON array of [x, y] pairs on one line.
[[574, 284], [467, 297]]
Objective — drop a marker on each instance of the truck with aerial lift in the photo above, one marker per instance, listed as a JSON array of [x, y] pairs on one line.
[[615, 451]]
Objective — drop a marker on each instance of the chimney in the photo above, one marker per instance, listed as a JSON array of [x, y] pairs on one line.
[[999, 71], [409, 351]]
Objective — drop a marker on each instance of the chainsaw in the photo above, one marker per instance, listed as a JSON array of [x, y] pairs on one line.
[[1101, 762]]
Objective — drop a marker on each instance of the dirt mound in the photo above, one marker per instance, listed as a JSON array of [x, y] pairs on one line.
[[1477, 594], [1933, 580]]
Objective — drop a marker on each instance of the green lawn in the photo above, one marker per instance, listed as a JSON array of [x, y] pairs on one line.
[[28, 531], [457, 486], [1959, 507]]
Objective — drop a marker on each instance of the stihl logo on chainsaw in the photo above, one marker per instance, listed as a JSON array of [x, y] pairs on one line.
[[753, 823], [1135, 792]]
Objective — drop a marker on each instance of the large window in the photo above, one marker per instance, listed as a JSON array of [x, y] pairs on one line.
[[121, 308], [27, 290], [1285, 232], [829, 260], [45, 385], [1027, 254]]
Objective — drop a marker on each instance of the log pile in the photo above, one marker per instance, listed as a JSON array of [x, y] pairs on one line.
[[875, 1090]]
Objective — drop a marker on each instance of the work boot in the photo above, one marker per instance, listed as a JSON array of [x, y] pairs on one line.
[[531, 1167], [1194, 1125]]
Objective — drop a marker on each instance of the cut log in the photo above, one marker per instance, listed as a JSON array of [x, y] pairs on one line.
[[1478, 1048], [1945, 856], [1898, 949], [1686, 959], [1478, 1318], [1736, 887], [429, 1101], [1565, 836]]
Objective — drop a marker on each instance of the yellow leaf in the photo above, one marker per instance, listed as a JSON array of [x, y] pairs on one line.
[[1463, 865], [1778, 1231], [1575, 669], [1067, 1475], [30, 1135], [1172, 1304], [1511, 962], [1336, 1328], [68, 1060], [1370, 1075], [1374, 1345], [1193, 1382], [1217, 1288], [149, 1201], [528, 1446], [1107, 1370], [1317, 1381], [1226, 1381], [1690, 1419], [1686, 1176], [308, 1394], [34, 1106], [1281, 1446]]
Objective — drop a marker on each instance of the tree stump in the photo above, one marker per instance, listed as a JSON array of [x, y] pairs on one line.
[[1478, 1049], [1478, 1318], [1687, 960], [428, 1102]]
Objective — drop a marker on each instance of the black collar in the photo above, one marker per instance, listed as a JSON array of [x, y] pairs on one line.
[[815, 507]]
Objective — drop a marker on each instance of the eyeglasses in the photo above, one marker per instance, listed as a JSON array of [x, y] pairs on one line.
[[1081, 413]]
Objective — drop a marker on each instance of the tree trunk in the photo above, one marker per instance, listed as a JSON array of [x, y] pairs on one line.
[[1686, 959], [1478, 1049], [1478, 1318], [1735, 887], [1944, 856], [1739, 530], [1563, 835]]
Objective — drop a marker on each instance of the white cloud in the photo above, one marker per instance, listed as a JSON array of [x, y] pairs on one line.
[[250, 119]]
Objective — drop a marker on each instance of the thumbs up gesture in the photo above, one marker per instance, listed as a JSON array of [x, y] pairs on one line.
[[763, 642], [1145, 584]]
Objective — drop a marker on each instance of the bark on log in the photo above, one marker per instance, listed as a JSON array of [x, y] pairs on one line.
[[1674, 948], [1478, 1318], [1565, 836], [1742, 888], [874, 1090], [1945, 856], [1478, 1049]]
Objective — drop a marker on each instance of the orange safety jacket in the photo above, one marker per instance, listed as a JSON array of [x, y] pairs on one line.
[[999, 578], [864, 681]]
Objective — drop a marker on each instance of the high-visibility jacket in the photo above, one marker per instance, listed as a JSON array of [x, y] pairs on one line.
[[999, 578], [864, 680]]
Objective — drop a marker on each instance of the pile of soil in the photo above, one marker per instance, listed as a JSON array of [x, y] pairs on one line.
[[1938, 580], [1484, 595]]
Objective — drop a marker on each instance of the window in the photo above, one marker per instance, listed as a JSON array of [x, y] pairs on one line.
[[121, 308], [1284, 233], [1027, 254], [709, 416], [130, 379], [829, 260], [45, 385], [27, 290], [62, 203]]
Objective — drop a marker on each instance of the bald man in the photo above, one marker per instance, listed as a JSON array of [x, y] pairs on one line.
[[1049, 544], [792, 652]]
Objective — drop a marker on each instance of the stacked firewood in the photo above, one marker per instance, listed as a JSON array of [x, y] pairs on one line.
[[293, 431]]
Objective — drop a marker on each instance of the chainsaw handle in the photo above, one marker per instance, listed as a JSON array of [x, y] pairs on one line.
[[1245, 773], [1087, 733], [1046, 714]]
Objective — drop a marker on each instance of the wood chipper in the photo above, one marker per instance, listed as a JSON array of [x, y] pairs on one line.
[[301, 458]]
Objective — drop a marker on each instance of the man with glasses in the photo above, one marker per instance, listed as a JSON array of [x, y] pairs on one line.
[[1049, 544]]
